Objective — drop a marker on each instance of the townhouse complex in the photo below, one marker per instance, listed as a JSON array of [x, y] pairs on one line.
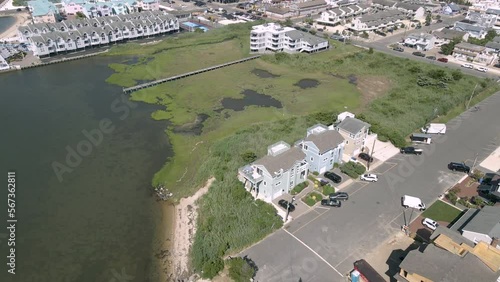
[[44, 11], [71, 35], [276, 38]]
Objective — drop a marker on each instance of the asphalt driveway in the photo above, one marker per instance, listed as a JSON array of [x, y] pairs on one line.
[[323, 244]]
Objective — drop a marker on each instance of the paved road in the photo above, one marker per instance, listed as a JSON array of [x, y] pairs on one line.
[[323, 244]]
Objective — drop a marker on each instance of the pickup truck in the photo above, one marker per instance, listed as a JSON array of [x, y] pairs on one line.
[[411, 150]]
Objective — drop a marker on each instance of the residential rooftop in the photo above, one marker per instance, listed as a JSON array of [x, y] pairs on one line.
[[352, 125]]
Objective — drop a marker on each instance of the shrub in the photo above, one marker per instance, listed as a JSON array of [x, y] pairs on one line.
[[312, 198], [240, 270], [370, 50], [352, 169], [316, 173], [328, 189], [452, 197], [364, 35], [297, 189], [212, 267], [477, 175], [248, 156], [312, 178], [463, 202]]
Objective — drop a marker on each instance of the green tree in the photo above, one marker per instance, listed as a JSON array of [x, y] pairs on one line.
[[288, 22], [447, 49], [487, 38], [309, 21], [457, 75], [240, 270], [249, 157], [80, 15], [370, 50], [312, 31], [364, 35], [428, 19], [198, 30]]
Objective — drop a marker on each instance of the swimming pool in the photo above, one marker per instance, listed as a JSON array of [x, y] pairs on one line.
[[194, 26]]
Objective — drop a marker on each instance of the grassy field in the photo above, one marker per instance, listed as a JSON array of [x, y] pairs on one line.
[[440, 211], [395, 95]]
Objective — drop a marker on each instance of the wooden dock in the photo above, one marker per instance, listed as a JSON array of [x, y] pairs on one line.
[[175, 77]]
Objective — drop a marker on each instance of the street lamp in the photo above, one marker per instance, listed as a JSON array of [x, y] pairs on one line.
[[288, 208]]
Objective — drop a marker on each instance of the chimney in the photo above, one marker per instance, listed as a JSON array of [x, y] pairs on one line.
[[495, 242]]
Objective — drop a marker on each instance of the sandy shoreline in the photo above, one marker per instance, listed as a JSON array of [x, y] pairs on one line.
[[175, 265], [21, 19]]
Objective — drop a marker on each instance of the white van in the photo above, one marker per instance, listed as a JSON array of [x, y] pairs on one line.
[[412, 202]]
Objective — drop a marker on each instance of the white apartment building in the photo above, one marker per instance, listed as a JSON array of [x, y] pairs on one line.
[[275, 38]]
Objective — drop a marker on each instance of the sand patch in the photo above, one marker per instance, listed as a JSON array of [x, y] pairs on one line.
[[372, 87]]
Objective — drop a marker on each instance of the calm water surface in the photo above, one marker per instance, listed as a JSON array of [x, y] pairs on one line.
[[97, 221], [6, 22]]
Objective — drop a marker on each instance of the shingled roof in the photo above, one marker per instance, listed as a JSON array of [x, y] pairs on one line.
[[326, 140], [285, 160]]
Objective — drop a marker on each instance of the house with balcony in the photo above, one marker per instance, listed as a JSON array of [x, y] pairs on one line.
[[474, 29], [473, 53], [383, 4], [354, 131], [495, 12], [342, 14], [312, 7], [323, 148], [481, 225], [377, 21], [275, 174], [275, 38], [446, 35], [451, 9], [420, 41]]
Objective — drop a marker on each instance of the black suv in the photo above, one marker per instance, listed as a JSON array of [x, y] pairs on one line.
[[331, 203], [284, 204], [411, 150], [339, 196], [419, 54], [459, 167], [366, 157], [333, 177]]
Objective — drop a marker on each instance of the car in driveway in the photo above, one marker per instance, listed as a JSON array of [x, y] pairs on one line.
[[411, 150], [369, 177], [418, 54], [399, 49], [331, 203], [467, 66], [459, 167], [333, 176], [284, 204], [365, 157], [354, 160], [429, 223], [343, 196], [433, 58], [443, 60], [482, 69]]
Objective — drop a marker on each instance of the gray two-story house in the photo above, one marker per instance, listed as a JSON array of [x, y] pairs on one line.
[[323, 148], [354, 132], [276, 173]]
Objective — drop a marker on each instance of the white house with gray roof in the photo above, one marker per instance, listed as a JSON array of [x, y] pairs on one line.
[[276, 38], [483, 225], [420, 41], [354, 131], [377, 21], [275, 174], [323, 148], [339, 15]]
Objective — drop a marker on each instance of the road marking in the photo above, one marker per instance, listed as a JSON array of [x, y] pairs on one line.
[[305, 224], [310, 249], [361, 187], [392, 166]]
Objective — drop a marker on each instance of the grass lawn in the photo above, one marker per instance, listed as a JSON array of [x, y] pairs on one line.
[[440, 211], [312, 198]]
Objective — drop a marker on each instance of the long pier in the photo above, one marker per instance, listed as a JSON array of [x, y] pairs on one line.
[[175, 77]]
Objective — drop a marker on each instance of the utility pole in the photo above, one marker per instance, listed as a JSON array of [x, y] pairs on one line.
[[371, 154], [472, 95], [288, 208]]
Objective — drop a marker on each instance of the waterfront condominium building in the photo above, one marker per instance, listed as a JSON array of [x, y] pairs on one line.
[[276, 38]]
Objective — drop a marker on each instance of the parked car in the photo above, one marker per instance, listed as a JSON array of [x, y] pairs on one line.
[[467, 66], [284, 204], [431, 58], [443, 60], [322, 182], [333, 176], [399, 49], [482, 69], [496, 65], [458, 167], [365, 157], [411, 150], [369, 177], [331, 203], [431, 224], [339, 196], [419, 54]]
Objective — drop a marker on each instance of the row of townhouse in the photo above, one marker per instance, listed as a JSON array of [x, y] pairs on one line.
[[414, 11], [285, 166], [341, 14], [474, 53], [66, 36], [44, 11], [276, 38], [376, 21]]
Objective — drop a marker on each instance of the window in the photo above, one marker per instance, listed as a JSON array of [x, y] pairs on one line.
[[346, 142], [265, 183], [312, 159], [305, 147], [277, 183]]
